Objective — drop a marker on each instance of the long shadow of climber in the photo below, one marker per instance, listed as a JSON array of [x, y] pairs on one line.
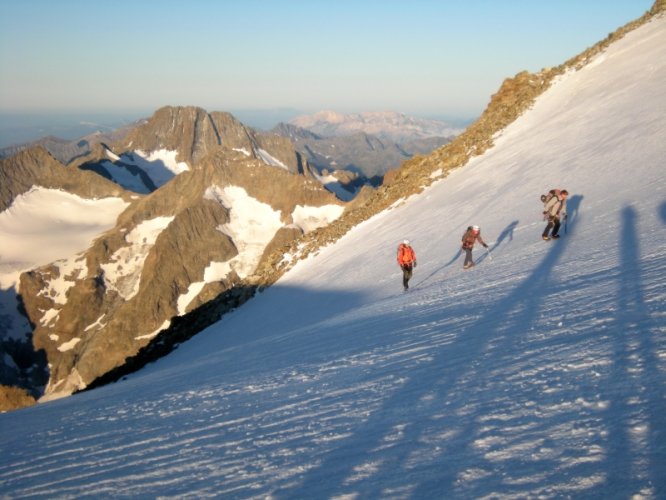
[[506, 233], [662, 212], [441, 268]]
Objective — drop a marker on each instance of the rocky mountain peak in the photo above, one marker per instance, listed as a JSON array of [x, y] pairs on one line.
[[189, 240], [37, 167]]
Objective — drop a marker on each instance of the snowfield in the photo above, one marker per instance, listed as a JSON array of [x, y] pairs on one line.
[[539, 373]]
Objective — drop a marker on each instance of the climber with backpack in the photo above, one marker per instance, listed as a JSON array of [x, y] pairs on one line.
[[406, 261], [554, 210], [471, 236]]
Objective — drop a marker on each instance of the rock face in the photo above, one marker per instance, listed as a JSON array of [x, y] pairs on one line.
[[232, 198], [176, 138], [14, 397], [195, 133], [20, 175], [36, 167]]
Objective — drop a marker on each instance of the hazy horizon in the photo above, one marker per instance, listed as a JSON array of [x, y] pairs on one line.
[[22, 127]]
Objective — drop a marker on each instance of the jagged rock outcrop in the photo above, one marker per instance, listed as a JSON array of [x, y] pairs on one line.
[[176, 139], [14, 397], [37, 167], [219, 197], [195, 133], [23, 175], [206, 229], [65, 150]]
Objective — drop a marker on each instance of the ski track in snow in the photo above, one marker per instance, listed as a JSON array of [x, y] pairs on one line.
[[538, 373]]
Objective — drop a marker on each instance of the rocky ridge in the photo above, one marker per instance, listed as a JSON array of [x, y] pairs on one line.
[[65, 150], [36, 166], [193, 237]]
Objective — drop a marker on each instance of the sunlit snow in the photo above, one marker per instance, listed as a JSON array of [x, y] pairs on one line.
[[123, 272], [44, 225], [252, 226], [309, 218], [269, 159]]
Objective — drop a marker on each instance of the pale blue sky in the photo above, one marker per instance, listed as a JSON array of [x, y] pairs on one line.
[[421, 57]]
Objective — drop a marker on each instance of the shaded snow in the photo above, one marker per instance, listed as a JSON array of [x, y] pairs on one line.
[[539, 373], [121, 175], [159, 166], [331, 183]]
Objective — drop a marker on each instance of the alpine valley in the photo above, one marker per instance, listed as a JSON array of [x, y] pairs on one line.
[[118, 246]]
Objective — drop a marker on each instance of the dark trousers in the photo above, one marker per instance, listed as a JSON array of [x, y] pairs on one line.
[[554, 224], [406, 275], [468, 257]]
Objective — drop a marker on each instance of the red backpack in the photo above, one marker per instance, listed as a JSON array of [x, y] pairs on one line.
[[405, 254]]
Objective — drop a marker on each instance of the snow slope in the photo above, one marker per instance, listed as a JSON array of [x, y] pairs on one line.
[[539, 373]]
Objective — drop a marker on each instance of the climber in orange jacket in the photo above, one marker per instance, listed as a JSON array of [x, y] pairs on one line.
[[406, 261]]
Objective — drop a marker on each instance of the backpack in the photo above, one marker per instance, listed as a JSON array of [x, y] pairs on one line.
[[469, 238], [545, 198], [405, 254]]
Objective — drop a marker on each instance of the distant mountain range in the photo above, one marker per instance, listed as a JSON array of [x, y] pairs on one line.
[[66, 150], [368, 144], [386, 125]]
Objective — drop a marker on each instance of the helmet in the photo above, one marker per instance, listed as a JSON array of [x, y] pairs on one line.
[[476, 229], [406, 242]]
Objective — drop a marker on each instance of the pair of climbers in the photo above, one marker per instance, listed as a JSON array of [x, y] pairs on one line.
[[407, 256]]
